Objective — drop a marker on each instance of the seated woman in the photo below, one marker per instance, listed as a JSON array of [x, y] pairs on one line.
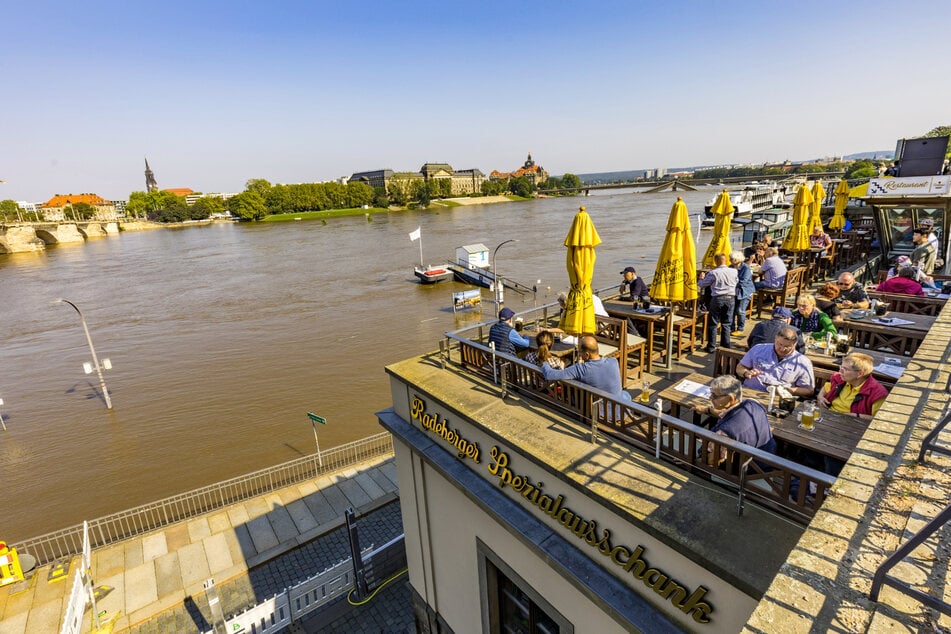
[[757, 254], [810, 320], [853, 391], [819, 238], [825, 301], [545, 340], [903, 283]]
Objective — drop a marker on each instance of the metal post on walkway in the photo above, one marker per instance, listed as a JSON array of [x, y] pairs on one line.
[[214, 604], [358, 569]]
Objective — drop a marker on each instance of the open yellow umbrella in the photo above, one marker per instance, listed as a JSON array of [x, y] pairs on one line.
[[798, 238], [815, 217], [578, 315], [720, 243], [675, 278], [841, 202]]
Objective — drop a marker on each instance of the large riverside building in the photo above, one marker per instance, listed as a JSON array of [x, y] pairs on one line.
[[535, 173], [516, 520], [462, 182], [57, 208]]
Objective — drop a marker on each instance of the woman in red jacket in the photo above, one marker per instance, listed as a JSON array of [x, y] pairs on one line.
[[853, 390]]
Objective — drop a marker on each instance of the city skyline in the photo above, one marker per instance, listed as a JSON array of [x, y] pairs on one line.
[[214, 94]]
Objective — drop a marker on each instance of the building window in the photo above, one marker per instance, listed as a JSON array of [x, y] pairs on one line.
[[511, 606]]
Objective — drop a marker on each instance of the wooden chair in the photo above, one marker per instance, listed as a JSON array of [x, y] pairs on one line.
[[725, 361], [792, 285], [829, 262], [613, 341], [687, 323], [914, 304]]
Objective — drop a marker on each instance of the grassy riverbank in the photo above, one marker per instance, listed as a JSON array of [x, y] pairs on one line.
[[322, 215]]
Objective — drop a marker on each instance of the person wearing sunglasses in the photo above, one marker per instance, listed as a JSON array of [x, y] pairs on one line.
[[851, 295]]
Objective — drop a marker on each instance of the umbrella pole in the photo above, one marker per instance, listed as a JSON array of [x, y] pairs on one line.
[[669, 335]]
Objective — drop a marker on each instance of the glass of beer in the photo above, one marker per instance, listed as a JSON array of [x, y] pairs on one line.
[[808, 415], [645, 391]]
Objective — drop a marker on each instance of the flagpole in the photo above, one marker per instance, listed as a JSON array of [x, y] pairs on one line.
[[421, 265]]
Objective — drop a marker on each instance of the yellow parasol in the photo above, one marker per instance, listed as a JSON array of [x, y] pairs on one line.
[[818, 195], [675, 278], [798, 238], [841, 202], [720, 243], [578, 315]]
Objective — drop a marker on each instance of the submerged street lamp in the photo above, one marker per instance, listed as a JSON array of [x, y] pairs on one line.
[[88, 367], [497, 284]]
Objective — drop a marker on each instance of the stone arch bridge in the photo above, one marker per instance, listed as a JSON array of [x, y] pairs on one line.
[[34, 236]]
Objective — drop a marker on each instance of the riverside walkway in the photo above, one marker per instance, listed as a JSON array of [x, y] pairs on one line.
[[251, 549]]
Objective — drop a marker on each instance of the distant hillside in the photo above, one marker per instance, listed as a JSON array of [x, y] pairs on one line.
[[881, 155], [626, 176]]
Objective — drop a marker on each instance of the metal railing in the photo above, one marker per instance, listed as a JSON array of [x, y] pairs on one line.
[[148, 517], [783, 485]]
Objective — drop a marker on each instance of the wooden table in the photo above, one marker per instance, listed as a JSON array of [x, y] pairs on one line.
[[836, 435], [870, 333], [627, 310]]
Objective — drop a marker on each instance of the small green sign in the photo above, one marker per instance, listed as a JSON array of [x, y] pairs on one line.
[[316, 418]]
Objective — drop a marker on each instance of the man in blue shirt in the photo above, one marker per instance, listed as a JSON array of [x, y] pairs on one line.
[[742, 420], [778, 363], [722, 282], [504, 335], [603, 374]]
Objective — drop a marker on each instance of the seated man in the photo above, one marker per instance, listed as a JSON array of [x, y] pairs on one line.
[[632, 287], [778, 363], [854, 391], [742, 420], [851, 295], [504, 335], [773, 270], [765, 331], [593, 370]]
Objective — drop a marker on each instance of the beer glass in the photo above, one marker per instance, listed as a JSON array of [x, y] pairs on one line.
[[808, 415], [645, 391]]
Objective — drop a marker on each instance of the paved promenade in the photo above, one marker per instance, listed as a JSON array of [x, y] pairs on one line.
[[252, 550]]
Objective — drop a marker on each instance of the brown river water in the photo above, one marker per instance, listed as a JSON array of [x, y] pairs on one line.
[[222, 337]]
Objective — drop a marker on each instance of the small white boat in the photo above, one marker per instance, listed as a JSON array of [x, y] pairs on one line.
[[432, 274]]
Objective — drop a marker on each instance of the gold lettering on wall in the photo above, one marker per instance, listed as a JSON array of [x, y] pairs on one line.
[[632, 561], [440, 426]]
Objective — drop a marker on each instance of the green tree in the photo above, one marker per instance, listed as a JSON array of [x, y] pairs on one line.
[[258, 185], [862, 169], [205, 207], [570, 181], [494, 187], [9, 210], [521, 186], [138, 205], [379, 198], [248, 205], [84, 211]]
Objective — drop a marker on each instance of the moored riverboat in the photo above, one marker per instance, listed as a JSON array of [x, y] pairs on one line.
[[432, 274], [750, 200]]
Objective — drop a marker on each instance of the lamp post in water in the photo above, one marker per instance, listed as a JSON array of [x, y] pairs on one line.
[[497, 282], [106, 364]]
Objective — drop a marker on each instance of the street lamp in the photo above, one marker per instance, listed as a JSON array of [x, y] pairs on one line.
[[497, 283], [105, 365]]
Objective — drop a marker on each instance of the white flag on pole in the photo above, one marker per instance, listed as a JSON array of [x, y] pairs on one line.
[[415, 235]]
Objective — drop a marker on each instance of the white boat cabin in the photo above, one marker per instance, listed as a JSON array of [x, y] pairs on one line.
[[473, 255]]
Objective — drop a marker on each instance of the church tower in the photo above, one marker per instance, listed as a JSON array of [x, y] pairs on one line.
[[150, 184]]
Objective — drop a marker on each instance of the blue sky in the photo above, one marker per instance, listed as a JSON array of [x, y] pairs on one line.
[[215, 93]]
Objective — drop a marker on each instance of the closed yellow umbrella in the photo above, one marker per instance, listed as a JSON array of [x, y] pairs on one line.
[[578, 315], [720, 243], [798, 238], [675, 278], [841, 202], [818, 195]]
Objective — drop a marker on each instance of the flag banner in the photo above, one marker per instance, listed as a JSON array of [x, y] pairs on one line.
[[415, 235]]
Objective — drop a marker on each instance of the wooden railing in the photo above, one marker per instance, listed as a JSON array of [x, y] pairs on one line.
[[758, 476]]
